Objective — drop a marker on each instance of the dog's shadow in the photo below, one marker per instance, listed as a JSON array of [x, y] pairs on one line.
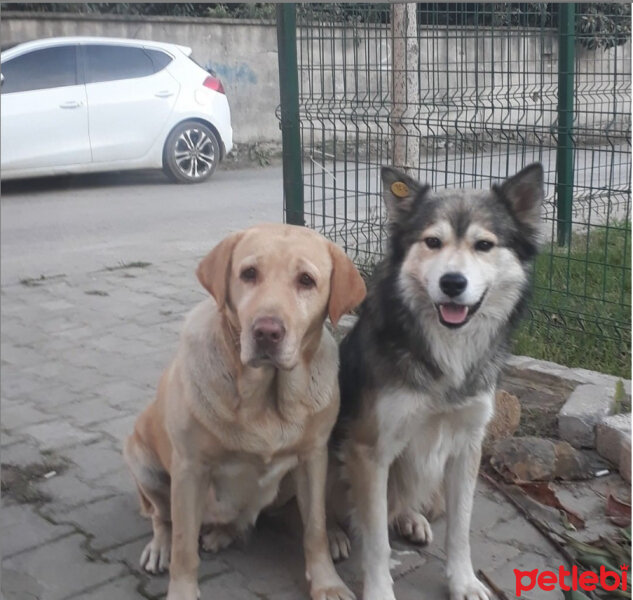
[[273, 558]]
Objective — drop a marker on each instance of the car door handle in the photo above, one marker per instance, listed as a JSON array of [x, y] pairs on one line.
[[164, 94], [71, 104]]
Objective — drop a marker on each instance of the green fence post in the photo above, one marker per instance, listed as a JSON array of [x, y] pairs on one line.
[[565, 149], [289, 96]]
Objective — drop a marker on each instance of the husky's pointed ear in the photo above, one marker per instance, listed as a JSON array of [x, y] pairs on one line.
[[214, 269], [524, 193], [400, 192], [347, 288]]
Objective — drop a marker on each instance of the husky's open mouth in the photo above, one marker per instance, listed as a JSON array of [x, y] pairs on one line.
[[455, 315]]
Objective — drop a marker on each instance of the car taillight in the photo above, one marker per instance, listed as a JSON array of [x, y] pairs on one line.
[[213, 83]]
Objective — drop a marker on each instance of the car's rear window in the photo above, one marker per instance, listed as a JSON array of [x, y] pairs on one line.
[[110, 63], [160, 59]]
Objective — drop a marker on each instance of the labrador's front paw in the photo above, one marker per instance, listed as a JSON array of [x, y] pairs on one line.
[[155, 556], [332, 592], [217, 539], [183, 590], [413, 526]]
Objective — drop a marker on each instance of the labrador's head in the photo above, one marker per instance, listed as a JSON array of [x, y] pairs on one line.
[[278, 283]]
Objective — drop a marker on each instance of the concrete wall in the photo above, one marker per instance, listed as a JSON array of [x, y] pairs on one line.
[[243, 53], [472, 82]]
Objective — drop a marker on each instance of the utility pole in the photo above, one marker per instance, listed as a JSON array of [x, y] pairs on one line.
[[405, 93]]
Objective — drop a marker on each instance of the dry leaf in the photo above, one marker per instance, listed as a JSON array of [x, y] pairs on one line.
[[618, 511], [543, 493]]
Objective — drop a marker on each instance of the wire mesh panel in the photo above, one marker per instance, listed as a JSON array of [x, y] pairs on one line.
[[462, 95]]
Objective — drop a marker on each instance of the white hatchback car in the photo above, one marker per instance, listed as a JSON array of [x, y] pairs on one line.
[[81, 104]]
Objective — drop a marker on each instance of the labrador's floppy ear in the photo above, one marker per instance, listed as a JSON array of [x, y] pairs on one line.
[[347, 288], [214, 269]]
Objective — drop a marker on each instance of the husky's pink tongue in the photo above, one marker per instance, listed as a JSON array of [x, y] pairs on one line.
[[453, 313]]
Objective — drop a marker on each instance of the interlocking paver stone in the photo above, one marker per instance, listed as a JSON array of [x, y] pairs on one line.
[[22, 528], [124, 587], [57, 434], [95, 460], [110, 522], [67, 492], [118, 428], [16, 415], [21, 452], [61, 568], [88, 411]]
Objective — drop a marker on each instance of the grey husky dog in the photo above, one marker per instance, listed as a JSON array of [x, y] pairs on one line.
[[419, 369]]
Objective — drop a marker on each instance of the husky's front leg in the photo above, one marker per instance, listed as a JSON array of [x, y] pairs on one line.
[[460, 481], [369, 478]]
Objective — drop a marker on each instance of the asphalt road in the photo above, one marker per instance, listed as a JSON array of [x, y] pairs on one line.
[[85, 223]]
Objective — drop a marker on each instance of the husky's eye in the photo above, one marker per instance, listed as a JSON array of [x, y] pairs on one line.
[[249, 274], [305, 281], [433, 243], [484, 245]]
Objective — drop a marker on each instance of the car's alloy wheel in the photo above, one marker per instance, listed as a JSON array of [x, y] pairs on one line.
[[192, 152]]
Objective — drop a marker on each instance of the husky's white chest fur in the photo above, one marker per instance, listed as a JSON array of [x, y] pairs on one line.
[[413, 428]]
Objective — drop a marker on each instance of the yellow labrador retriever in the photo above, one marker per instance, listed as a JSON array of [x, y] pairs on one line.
[[251, 396]]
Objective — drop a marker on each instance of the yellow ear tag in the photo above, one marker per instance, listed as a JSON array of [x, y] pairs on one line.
[[400, 189]]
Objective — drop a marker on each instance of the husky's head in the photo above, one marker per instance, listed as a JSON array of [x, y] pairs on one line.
[[463, 254]]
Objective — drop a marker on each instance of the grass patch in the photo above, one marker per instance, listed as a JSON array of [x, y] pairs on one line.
[[581, 306], [621, 402]]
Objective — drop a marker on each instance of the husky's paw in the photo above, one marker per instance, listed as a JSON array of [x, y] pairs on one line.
[[155, 556], [217, 539], [414, 527], [378, 588], [340, 545], [386, 593], [471, 589]]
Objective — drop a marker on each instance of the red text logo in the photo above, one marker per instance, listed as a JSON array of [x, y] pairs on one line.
[[588, 581]]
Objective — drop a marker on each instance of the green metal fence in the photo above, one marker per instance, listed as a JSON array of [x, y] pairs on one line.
[[464, 95]]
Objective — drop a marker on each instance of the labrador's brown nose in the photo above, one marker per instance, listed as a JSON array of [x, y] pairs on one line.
[[268, 333]]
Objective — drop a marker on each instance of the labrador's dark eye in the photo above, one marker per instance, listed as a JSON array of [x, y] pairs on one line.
[[484, 246], [249, 274], [433, 243], [306, 281]]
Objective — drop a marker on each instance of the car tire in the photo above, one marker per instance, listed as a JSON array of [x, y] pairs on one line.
[[191, 153]]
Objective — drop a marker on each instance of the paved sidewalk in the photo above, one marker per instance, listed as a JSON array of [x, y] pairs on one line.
[[80, 357]]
